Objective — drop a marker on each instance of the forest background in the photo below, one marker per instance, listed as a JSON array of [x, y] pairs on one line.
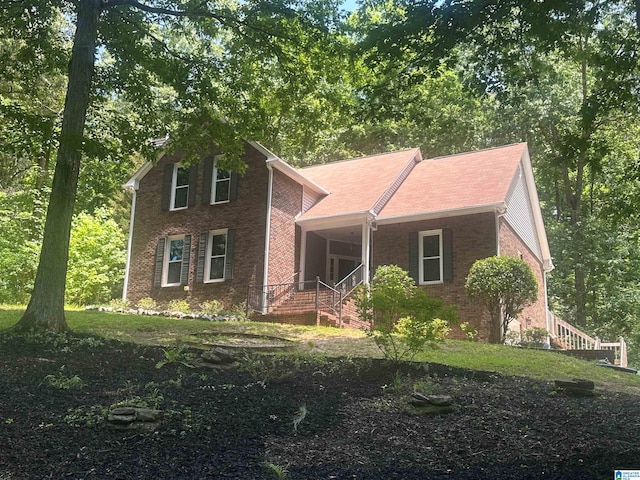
[[315, 83]]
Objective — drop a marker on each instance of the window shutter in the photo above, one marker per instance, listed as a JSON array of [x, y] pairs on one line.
[[413, 256], [186, 257], [193, 181], [447, 255], [157, 269], [228, 268], [208, 177], [233, 188], [202, 253], [167, 183]]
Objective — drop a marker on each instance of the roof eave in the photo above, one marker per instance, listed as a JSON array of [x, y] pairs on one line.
[[537, 213], [295, 175], [452, 212]]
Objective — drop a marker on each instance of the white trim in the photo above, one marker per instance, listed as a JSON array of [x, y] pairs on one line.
[[421, 235], [214, 183], [547, 262], [209, 254], [335, 221], [452, 212], [165, 261], [366, 251], [296, 175], [267, 235], [303, 257], [127, 267]]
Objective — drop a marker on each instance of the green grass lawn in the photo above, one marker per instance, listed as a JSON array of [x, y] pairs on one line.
[[505, 360]]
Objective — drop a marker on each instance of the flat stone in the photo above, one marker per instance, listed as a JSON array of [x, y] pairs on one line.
[[123, 411], [432, 409], [218, 355], [440, 400], [148, 415], [121, 419]]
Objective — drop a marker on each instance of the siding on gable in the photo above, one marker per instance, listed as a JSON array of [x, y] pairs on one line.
[[309, 198], [520, 214]]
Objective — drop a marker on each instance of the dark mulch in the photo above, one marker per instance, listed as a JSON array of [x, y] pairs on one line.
[[228, 423]]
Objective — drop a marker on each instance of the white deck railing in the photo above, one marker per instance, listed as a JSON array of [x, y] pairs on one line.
[[572, 338]]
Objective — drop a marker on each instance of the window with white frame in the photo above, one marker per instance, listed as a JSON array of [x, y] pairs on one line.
[[221, 184], [180, 188], [430, 256], [173, 258], [216, 256]]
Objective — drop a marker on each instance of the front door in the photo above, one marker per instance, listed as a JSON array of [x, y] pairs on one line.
[[340, 267]]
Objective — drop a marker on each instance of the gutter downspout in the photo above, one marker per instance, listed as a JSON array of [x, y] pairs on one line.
[[500, 212], [265, 270], [125, 286]]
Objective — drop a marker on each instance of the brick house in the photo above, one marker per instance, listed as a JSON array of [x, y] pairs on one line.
[[278, 236]]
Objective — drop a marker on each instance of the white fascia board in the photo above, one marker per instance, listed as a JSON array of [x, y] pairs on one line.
[[537, 213], [295, 175], [263, 150], [134, 182], [453, 212], [279, 164], [336, 221]]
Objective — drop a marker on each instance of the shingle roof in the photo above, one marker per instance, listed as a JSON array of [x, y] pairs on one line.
[[457, 182], [453, 182], [356, 185]]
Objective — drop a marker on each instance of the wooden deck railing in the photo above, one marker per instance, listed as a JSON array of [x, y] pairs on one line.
[[572, 338]]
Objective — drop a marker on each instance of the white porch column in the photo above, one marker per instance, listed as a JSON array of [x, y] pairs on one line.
[[303, 256], [366, 251]]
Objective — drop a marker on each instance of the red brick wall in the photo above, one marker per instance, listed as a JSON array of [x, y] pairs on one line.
[[247, 215], [474, 237], [286, 204], [512, 245]]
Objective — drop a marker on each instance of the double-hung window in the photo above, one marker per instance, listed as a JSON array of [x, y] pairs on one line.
[[221, 184], [173, 258], [216, 256], [430, 257], [180, 188]]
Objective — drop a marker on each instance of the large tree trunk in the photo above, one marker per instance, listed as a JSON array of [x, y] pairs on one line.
[[45, 311]]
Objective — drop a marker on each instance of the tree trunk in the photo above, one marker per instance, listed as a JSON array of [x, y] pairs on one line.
[[45, 311]]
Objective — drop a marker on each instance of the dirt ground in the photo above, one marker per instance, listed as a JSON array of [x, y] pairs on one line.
[[308, 417]]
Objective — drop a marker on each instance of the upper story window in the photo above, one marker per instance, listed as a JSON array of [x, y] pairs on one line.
[[221, 184], [174, 253], [430, 257], [216, 256], [180, 188]]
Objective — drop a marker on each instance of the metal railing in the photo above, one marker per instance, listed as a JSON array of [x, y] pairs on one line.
[[328, 299]]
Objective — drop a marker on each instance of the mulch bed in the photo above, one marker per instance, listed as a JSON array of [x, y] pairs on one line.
[[232, 422]]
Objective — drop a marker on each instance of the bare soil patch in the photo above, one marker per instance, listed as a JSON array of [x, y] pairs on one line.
[[230, 422]]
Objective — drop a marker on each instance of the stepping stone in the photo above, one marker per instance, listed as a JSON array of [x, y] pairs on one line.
[[577, 386]]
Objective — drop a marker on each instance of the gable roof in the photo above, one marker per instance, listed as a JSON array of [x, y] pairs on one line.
[[359, 185], [464, 181], [401, 187]]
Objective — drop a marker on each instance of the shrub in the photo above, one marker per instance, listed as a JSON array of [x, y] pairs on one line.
[[146, 303], [470, 333], [505, 286], [118, 303], [211, 307], [181, 306], [535, 335], [403, 318]]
